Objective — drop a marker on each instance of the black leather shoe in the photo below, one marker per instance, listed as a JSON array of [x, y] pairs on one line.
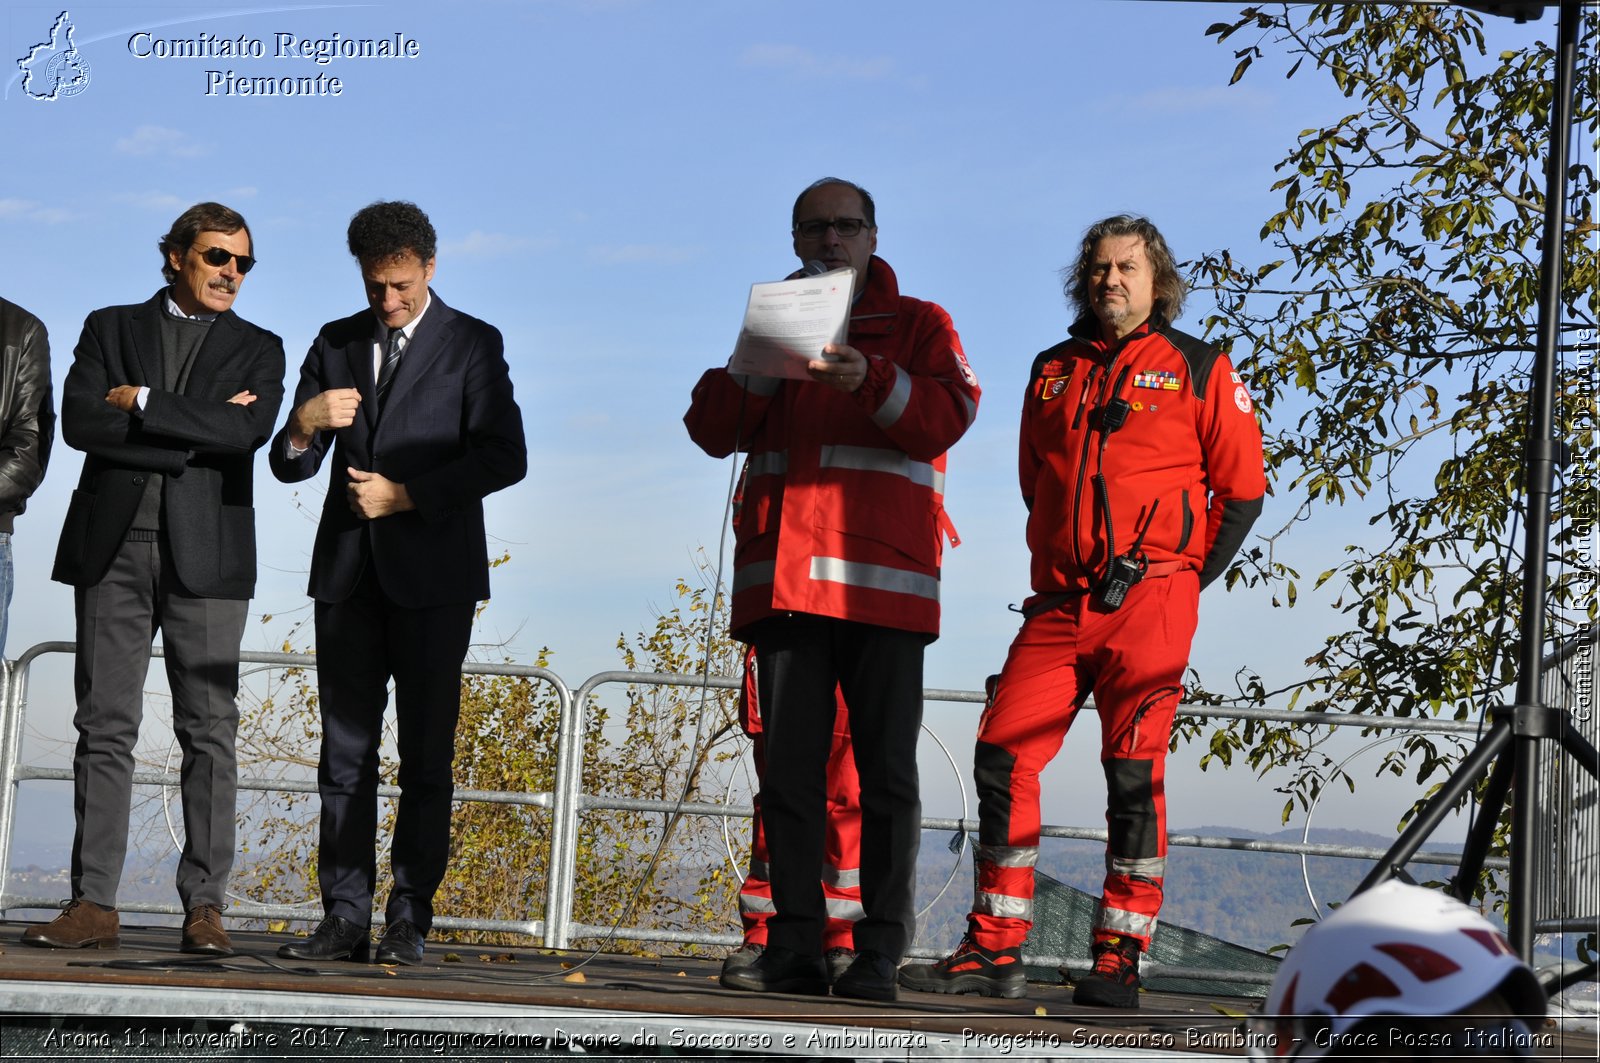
[[871, 977], [779, 970], [742, 957], [401, 943], [334, 939]]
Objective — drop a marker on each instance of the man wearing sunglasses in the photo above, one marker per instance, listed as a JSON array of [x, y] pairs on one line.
[[836, 584], [168, 399], [414, 400]]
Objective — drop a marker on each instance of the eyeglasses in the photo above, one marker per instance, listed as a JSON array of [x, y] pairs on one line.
[[218, 256], [845, 227]]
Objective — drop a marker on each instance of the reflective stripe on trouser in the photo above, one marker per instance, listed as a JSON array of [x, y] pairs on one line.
[[1119, 922], [1132, 660], [1136, 849], [1005, 886], [841, 868]]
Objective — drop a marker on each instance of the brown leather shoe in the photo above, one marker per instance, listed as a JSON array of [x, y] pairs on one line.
[[84, 925], [203, 933]]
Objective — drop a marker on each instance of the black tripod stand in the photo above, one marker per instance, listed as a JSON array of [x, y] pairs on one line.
[[1512, 744]]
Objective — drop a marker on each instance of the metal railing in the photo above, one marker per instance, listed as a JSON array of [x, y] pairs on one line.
[[556, 929]]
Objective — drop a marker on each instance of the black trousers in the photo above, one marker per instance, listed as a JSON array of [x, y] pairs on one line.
[[799, 661], [362, 642]]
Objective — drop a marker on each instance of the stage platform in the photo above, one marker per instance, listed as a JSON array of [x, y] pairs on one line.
[[148, 1001]]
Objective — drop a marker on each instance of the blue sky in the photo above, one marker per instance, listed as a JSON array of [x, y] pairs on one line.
[[607, 179]]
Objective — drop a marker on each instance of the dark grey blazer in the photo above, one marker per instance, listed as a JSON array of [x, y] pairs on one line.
[[450, 431], [202, 444]]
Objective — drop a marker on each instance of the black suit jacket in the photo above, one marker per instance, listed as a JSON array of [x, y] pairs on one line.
[[450, 431], [203, 444]]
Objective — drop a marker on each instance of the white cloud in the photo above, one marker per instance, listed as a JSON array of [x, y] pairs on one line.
[[31, 210], [479, 244], [243, 192], [631, 254], [792, 57], [151, 139]]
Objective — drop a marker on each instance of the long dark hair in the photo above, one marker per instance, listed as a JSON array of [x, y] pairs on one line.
[[1168, 283]]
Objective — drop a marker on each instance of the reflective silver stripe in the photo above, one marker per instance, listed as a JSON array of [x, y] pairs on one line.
[[1008, 855], [972, 409], [850, 911], [998, 904], [1151, 867], [895, 405], [760, 870], [1123, 922], [845, 879], [873, 577], [756, 905], [877, 459], [753, 575], [769, 463]]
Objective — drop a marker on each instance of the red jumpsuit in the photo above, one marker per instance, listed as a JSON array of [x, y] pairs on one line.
[[1172, 473]]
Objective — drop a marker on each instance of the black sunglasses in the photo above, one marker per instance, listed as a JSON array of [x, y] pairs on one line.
[[218, 256]]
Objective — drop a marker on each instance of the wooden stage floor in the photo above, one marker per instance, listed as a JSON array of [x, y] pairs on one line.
[[148, 1001]]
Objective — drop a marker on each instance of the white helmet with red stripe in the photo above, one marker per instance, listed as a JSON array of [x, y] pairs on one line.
[[1400, 953]]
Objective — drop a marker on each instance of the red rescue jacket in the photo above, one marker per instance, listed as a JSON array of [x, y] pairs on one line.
[[843, 500], [1186, 459]]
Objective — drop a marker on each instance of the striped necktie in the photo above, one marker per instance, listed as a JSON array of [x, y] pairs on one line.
[[392, 353]]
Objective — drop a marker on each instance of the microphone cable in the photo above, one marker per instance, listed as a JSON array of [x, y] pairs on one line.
[[812, 267]]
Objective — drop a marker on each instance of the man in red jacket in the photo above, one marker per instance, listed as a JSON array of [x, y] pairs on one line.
[[836, 584], [1141, 467]]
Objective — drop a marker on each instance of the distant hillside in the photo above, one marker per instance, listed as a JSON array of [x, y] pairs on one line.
[[1251, 899]]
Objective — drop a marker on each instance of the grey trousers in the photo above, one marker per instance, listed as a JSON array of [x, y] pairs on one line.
[[117, 621]]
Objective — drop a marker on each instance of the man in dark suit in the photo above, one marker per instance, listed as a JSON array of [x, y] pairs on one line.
[[415, 399], [169, 400]]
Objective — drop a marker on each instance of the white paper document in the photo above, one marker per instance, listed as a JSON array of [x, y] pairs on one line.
[[787, 323]]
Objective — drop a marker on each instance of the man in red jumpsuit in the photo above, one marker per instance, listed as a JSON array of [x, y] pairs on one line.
[[836, 585], [1141, 467]]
